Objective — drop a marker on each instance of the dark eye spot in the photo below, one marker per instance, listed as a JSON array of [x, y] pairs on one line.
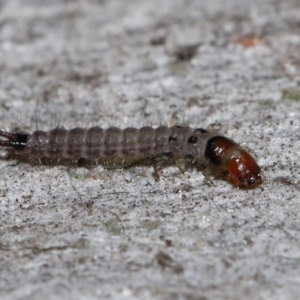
[[201, 130], [172, 138], [193, 140]]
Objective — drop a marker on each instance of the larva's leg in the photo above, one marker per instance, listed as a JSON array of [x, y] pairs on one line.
[[157, 163], [180, 164], [207, 173], [155, 168], [15, 163]]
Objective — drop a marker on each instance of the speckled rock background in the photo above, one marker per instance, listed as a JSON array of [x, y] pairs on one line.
[[75, 233]]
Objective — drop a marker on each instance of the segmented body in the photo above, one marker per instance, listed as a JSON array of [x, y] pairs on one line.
[[114, 147]]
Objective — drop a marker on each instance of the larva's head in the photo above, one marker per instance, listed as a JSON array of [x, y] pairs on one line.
[[241, 168]]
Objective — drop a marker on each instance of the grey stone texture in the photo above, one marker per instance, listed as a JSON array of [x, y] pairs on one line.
[[78, 233]]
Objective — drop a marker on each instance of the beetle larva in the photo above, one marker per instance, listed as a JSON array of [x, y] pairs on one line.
[[114, 147]]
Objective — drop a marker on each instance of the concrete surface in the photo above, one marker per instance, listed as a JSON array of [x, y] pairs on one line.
[[74, 233]]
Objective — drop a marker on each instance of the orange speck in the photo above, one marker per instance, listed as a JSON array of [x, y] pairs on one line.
[[248, 41]]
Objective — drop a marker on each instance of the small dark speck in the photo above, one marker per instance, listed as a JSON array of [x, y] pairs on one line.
[[193, 140], [186, 52], [166, 262], [172, 138], [158, 40], [168, 243]]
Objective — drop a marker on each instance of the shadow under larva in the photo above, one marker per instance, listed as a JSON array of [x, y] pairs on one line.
[[119, 148]]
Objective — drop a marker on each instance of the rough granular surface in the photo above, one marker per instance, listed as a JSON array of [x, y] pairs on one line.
[[89, 233]]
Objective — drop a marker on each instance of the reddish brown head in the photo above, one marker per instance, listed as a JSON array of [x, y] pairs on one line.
[[242, 169]]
